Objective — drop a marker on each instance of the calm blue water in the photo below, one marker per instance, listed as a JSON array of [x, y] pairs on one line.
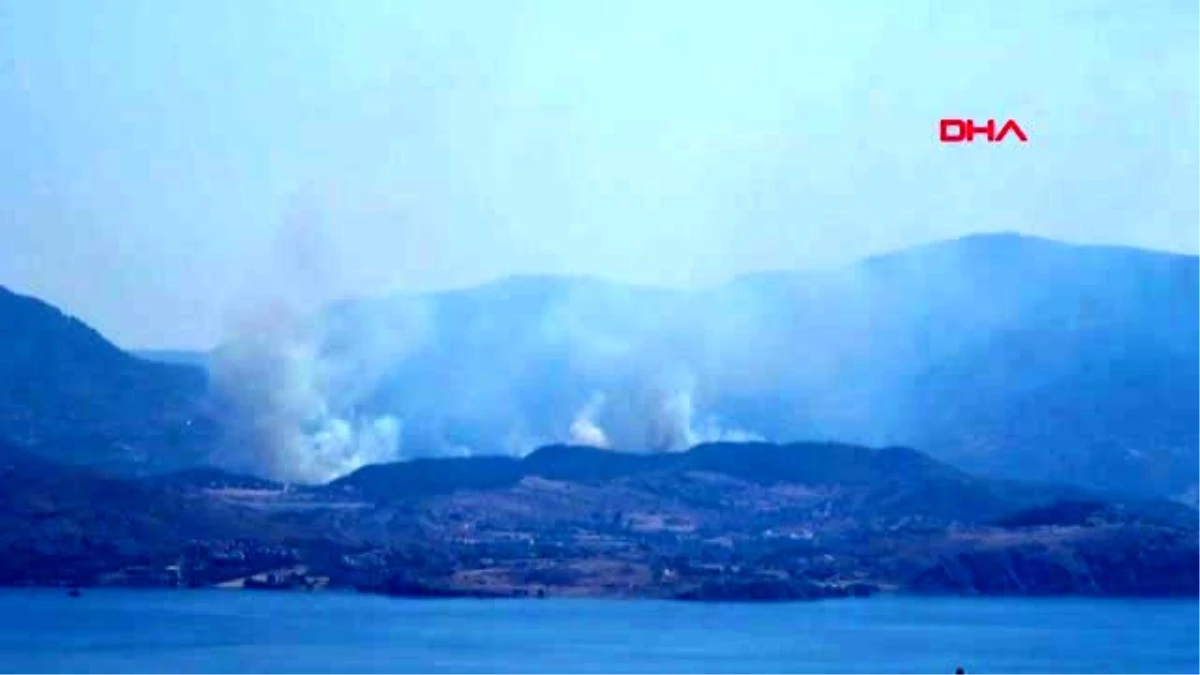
[[228, 631]]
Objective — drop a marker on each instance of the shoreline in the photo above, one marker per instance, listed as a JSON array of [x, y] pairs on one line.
[[451, 595]]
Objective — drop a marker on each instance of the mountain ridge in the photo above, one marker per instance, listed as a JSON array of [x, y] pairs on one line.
[[1005, 354], [69, 394], [989, 351]]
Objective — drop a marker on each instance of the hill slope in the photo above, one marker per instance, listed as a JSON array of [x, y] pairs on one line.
[[1015, 356], [756, 521], [68, 394], [744, 521], [897, 479]]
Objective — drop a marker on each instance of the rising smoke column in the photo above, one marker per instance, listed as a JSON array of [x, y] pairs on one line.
[[654, 412], [294, 386], [670, 422], [584, 428], [291, 410], [309, 398]]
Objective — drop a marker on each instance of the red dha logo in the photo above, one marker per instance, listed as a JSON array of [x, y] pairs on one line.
[[958, 131]]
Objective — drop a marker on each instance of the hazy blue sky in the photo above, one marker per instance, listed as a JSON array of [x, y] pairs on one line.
[[165, 164]]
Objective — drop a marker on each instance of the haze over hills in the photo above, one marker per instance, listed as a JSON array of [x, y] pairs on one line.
[[179, 356], [1010, 355], [663, 490], [1007, 355]]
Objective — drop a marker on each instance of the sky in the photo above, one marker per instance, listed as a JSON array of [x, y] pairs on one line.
[[166, 165]]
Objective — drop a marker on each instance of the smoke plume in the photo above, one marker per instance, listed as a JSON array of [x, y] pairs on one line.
[[584, 430], [292, 410], [312, 395], [294, 384], [656, 413]]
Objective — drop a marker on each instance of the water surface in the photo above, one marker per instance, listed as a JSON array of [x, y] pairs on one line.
[[233, 631]]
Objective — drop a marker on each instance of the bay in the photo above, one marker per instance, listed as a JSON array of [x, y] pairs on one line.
[[107, 630]]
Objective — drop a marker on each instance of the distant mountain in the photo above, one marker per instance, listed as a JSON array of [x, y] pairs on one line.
[[1015, 356], [1002, 354], [68, 394]]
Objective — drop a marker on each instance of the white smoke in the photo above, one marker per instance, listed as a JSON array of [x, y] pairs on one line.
[[672, 424], [660, 417], [584, 428], [293, 407], [668, 419], [295, 388], [340, 446], [711, 432], [310, 397]]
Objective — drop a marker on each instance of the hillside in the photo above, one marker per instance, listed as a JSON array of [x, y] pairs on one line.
[[68, 524], [727, 521], [1014, 356], [1004, 355], [885, 481], [67, 393], [758, 521]]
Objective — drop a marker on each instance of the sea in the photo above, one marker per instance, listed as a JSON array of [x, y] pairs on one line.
[[216, 631]]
